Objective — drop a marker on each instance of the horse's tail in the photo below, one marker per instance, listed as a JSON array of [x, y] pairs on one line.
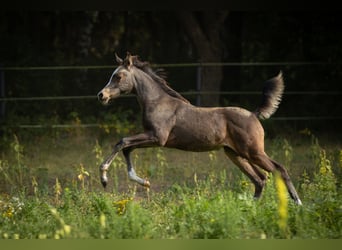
[[271, 97]]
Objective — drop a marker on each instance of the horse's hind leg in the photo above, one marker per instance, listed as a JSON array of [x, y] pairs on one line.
[[255, 175], [131, 173], [270, 165]]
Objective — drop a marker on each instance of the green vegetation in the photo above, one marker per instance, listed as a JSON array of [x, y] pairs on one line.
[[50, 189], [49, 177]]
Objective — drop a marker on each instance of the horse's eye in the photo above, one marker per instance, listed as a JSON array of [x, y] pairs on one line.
[[117, 77]]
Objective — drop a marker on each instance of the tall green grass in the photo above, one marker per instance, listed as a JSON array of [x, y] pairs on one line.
[[189, 198]]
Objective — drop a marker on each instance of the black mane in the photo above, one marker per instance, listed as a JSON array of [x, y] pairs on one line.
[[157, 75]]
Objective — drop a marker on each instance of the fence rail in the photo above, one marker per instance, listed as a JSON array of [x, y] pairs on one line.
[[186, 93], [162, 65], [98, 125]]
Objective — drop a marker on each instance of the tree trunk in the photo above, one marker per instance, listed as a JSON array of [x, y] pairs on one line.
[[203, 29]]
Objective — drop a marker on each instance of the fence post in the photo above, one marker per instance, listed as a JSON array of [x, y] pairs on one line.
[[2, 95], [198, 84]]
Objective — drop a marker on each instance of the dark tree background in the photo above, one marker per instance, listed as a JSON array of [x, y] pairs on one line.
[[58, 38]]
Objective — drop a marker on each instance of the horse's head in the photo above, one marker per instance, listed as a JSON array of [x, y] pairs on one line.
[[121, 81]]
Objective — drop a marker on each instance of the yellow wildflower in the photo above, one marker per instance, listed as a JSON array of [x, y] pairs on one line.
[[42, 236], [83, 173], [8, 213], [121, 205], [103, 220], [67, 229], [282, 202]]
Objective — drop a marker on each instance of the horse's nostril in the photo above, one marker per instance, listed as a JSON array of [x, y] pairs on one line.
[[100, 96]]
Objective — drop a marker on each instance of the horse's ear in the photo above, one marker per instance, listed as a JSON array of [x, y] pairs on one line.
[[128, 60], [118, 59]]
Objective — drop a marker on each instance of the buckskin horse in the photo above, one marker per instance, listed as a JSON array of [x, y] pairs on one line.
[[169, 120]]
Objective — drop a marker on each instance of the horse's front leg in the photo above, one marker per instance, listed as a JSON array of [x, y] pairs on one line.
[[140, 140], [106, 163]]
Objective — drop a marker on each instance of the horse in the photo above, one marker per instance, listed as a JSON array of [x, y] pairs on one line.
[[169, 120]]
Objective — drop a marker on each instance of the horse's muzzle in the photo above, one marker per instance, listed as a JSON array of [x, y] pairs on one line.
[[100, 96], [106, 95], [103, 98]]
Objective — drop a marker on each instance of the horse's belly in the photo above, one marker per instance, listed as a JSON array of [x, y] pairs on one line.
[[195, 148], [197, 140]]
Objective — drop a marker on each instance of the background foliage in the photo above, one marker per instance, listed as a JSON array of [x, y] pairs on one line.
[[76, 38]]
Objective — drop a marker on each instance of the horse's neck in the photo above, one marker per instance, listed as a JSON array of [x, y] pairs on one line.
[[148, 91]]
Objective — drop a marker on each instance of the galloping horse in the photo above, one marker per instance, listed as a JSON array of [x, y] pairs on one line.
[[169, 120]]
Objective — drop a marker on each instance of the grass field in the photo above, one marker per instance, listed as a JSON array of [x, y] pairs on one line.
[[50, 188]]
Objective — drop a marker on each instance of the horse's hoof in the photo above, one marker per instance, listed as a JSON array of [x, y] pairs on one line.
[[104, 182], [299, 202], [146, 184]]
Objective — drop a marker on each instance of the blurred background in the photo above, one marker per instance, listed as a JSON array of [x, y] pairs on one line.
[[53, 63]]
